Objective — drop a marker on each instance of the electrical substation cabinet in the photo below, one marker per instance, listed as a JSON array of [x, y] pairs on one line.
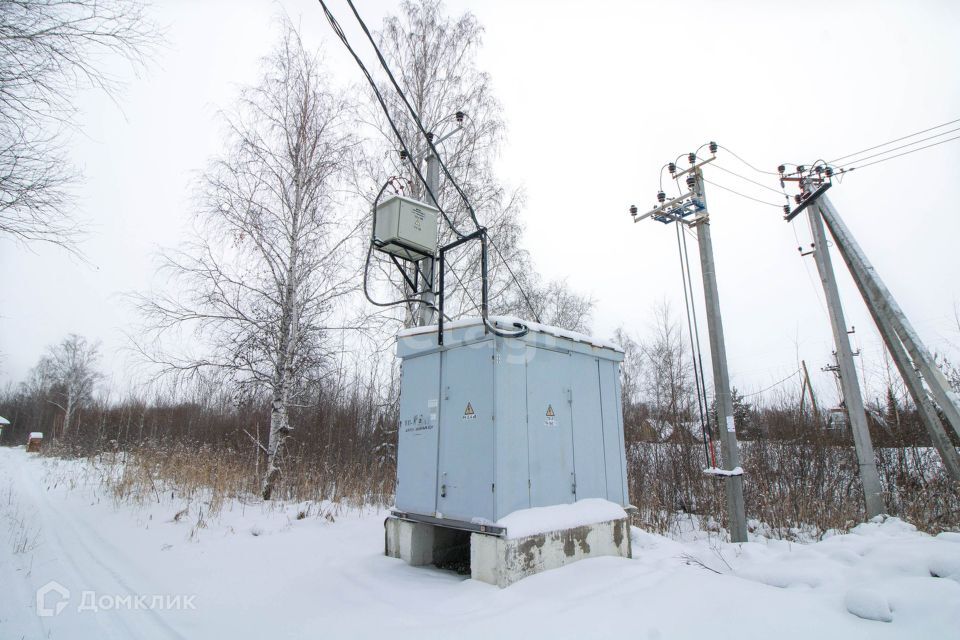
[[406, 228], [490, 424]]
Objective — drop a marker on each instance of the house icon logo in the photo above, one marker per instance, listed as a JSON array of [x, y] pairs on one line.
[[52, 598]]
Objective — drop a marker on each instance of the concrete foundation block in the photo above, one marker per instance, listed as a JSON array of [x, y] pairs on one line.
[[412, 542], [503, 561]]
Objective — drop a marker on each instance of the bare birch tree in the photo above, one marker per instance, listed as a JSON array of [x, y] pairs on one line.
[[49, 49], [260, 283], [668, 371], [67, 376], [433, 59]]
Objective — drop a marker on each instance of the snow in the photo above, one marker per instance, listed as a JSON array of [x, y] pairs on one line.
[[508, 323], [528, 522], [716, 471], [36, 435], [3, 421], [258, 571], [868, 604]]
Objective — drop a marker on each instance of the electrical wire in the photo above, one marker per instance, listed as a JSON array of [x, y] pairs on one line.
[[413, 114], [694, 348], [743, 195], [905, 153], [903, 146], [771, 173], [383, 105], [759, 184], [775, 384], [493, 244], [429, 138], [939, 126]]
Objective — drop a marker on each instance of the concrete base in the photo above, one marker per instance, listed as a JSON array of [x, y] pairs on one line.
[[418, 543], [503, 561]]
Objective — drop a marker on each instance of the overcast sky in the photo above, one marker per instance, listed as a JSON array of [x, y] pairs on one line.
[[597, 96]]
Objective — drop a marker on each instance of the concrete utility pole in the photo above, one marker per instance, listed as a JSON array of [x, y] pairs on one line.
[[881, 306], [675, 211], [848, 373], [878, 297], [721, 379], [426, 313]]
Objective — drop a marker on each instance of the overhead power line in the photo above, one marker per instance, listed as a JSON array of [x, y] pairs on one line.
[[905, 153], [743, 195], [917, 133], [903, 146], [759, 184]]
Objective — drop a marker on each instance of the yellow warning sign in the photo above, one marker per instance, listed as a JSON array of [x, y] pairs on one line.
[[469, 410], [550, 412]]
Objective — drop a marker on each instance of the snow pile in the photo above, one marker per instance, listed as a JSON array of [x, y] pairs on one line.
[[868, 604], [528, 522]]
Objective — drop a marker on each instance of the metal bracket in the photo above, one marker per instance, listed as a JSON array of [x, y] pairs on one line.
[[809, 200]]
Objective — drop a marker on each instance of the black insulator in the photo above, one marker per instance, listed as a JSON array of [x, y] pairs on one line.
[[800, 168], [800, 249], [819, 170], [691, 181], [633, 209], [459, 115], [672, 168], [782, 169], [430, 137], [403, 154], [713, 147], [797, 198], [661, 196], [786, 209], [692, 158], [829, 172]]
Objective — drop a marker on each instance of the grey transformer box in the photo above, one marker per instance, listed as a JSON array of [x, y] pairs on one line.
[[491, 424], [406, 228]]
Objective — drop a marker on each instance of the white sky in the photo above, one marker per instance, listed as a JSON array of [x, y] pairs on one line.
[[597, 97]]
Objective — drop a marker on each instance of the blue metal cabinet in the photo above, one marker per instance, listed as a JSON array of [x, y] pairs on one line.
[[491, 424]]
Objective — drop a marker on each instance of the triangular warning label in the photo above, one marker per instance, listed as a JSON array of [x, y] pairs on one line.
[[469, 410], [550, 413]]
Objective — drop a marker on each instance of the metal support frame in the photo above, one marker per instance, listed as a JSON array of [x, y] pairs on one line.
[[480, 234], [489, 529], [853, 400]]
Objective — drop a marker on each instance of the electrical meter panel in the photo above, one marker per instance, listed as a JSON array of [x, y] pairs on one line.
[[406, 228]]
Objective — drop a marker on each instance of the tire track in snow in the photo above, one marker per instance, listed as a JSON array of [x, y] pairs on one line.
[[78, 547]]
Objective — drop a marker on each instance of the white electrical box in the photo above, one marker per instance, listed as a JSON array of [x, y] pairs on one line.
[[406, 228]]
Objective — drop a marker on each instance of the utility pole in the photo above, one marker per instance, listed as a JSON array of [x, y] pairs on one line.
[[674, 211], [847, 373], [427, 313], [893, 326], [721, 378], [809, 387], [889, 314]]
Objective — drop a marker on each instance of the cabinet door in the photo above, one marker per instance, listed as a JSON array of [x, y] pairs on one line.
[[465, 483], [588, 450], [417, 438], [549, 430]]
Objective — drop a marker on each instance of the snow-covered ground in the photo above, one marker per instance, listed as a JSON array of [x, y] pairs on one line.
[[258, 572]]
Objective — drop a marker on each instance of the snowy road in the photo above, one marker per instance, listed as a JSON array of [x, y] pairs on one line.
[[254, 572]]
